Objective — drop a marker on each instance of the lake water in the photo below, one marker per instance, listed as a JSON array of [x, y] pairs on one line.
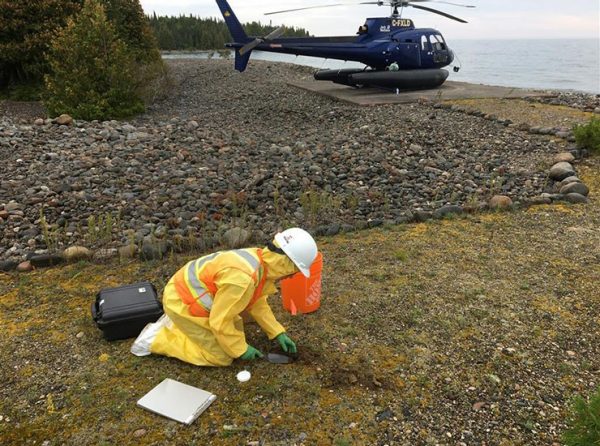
[[540, 64]]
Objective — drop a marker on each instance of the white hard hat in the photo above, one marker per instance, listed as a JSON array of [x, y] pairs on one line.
[[299, 246]]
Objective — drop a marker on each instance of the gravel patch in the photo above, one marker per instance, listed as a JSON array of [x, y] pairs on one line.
[[229, 150], [581, 101]]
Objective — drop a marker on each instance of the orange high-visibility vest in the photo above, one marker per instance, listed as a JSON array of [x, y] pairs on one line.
[[195, 282]]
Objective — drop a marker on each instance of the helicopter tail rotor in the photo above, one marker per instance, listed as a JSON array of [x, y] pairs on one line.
[[253, 44]]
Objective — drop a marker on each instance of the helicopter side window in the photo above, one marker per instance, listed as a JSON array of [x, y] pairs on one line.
[[424, 43], [438, 42]]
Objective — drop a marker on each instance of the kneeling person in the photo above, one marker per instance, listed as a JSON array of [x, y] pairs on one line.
[[204, 299]]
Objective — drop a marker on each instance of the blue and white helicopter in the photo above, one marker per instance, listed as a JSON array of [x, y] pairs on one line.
[[395, 53]]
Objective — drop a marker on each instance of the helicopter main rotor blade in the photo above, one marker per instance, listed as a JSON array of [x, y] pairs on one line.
[[308, 7], [445, 3], [435, 11], [403, 3], [392, 3]]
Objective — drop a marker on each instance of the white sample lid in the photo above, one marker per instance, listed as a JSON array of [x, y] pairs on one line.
[[243, 376]]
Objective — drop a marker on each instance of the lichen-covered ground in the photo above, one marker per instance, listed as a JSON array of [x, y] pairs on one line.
[[526, 112], [474, 330]]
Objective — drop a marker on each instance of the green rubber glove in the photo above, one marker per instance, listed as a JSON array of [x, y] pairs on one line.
[[251, 354], [287, 345]]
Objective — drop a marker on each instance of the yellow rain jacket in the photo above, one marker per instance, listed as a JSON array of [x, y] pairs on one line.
[[203, 302]]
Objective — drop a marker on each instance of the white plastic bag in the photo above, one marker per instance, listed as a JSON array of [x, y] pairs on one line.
[[141, 346]]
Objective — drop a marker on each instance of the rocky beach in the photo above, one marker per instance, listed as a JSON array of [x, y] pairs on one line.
[[226, 151]]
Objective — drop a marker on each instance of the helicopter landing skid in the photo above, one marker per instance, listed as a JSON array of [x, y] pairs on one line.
[[401, 80]]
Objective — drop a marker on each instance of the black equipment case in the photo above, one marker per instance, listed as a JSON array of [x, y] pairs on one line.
[[123, 312]]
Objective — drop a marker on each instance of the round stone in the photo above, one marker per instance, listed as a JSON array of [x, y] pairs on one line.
[[128, 251], [576, 198], [561, 170], [24, 267], [569, 180], [575, 188], [500, 202], [75, 253], [564, 157], [64, 120], [236, 238], [450, 209]]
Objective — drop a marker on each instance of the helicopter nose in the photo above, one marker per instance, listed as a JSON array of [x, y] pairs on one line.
[[451, 55]]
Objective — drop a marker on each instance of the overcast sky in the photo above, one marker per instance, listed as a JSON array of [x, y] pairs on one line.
[[492, 19]]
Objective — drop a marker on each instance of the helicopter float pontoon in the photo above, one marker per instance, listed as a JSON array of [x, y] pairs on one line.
[[395, 53]]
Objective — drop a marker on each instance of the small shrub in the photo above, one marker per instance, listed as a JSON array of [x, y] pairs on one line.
[[320, 206], [584, 425], [588, 135], [93, 71]]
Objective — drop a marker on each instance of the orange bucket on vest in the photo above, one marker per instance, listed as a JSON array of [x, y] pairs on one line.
[[301, 294]]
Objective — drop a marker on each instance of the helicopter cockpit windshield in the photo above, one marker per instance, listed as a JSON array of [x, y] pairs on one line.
[[437, 42], [435, 45]]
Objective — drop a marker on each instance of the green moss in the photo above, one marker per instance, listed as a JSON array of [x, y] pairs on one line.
[[401, 255]]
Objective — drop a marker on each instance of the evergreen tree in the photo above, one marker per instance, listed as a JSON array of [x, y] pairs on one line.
[[26, 30], [133, 28], [92, 69]]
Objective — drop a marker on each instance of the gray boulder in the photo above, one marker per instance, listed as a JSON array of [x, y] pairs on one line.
[[568, 180], [153, 249], [564, 157], [500, 202], [236, 238], [447, 210], [575, 188], [561, 170], [576, 198]]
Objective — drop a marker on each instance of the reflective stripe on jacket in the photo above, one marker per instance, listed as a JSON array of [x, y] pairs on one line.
[[195, 282]]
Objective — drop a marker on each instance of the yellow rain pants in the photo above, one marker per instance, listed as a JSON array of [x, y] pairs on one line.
[[218, 339]]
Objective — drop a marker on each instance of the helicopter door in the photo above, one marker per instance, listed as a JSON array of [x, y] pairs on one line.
[[409, 54]]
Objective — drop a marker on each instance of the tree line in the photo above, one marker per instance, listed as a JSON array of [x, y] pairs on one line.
[[97, 59], [28, 28], [188, 32], [92, 59]]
